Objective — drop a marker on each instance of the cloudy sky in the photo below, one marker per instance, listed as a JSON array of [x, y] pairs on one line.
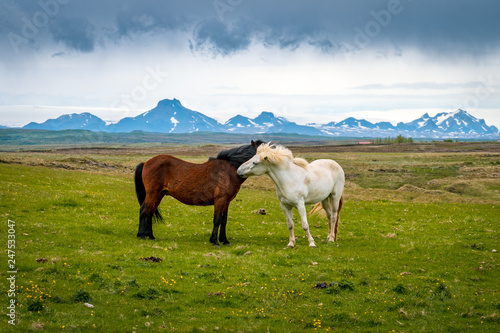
[[308, 61]]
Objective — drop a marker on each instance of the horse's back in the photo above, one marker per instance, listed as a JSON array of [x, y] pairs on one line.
[[327, 164], [161, 169], [163, 159], [330, 170]]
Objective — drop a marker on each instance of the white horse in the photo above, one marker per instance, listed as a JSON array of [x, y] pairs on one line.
[[299, 183]]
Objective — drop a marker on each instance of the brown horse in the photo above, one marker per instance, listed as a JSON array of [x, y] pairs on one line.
[[214, 182]]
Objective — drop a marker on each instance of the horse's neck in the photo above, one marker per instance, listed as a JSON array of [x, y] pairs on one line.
[[284, 175]]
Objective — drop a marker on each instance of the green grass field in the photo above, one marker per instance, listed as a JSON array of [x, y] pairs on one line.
[[416, 249]]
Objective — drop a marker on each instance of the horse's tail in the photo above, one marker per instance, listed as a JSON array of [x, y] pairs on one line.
[[341, 202], [140, 191], [318, 209]]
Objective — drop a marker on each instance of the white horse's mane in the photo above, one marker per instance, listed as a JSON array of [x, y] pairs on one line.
[[277, 154]]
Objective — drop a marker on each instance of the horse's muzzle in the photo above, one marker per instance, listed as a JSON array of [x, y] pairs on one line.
[[241, 173]]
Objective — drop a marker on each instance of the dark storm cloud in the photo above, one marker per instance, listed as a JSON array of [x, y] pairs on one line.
[[448, 28], [32, 24], [78, 34], [445, 27], [229, 26], [142, 17], [220, 38]]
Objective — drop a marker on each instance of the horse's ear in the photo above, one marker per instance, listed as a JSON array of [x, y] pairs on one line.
[[253, 144]]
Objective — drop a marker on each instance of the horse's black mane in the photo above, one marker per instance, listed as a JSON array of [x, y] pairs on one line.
[[239, 155]]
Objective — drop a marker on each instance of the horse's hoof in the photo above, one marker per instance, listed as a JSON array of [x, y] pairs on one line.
[[216, 244], [227, 244], [312, 245]]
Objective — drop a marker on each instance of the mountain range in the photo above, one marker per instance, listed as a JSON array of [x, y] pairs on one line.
[[170, 116]]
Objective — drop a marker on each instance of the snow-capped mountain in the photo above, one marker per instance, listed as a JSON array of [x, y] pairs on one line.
[[71, 121], [461, 121], [353, 127], [170, 116], [267, 122], [354, 123], [458, 123]]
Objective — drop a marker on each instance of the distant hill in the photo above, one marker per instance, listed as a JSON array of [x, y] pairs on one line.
[[71, 121], [170, 116], [12, 137]]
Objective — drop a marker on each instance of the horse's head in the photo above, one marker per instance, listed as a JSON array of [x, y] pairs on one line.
[[253, 167], [258, 164], [238, 155], [267, 157]]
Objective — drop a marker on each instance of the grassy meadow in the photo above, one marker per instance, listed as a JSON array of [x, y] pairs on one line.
[[416, 249]]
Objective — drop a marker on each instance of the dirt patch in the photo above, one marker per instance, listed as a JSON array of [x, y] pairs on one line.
[[86, 163], [260, 211], [352, 185], [481, 172], [70, 163], [412, 188], [471, 188], [458, 188], [152, 259]]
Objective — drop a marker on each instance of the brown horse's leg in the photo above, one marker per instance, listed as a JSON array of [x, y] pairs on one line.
[[221, 207], [220, 220], [147, 212], [222, 234], [145, 220], [215, 231]]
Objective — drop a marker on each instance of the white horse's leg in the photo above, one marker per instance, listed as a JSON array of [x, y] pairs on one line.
[[331, 215], [289, 220], [303, 216]]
